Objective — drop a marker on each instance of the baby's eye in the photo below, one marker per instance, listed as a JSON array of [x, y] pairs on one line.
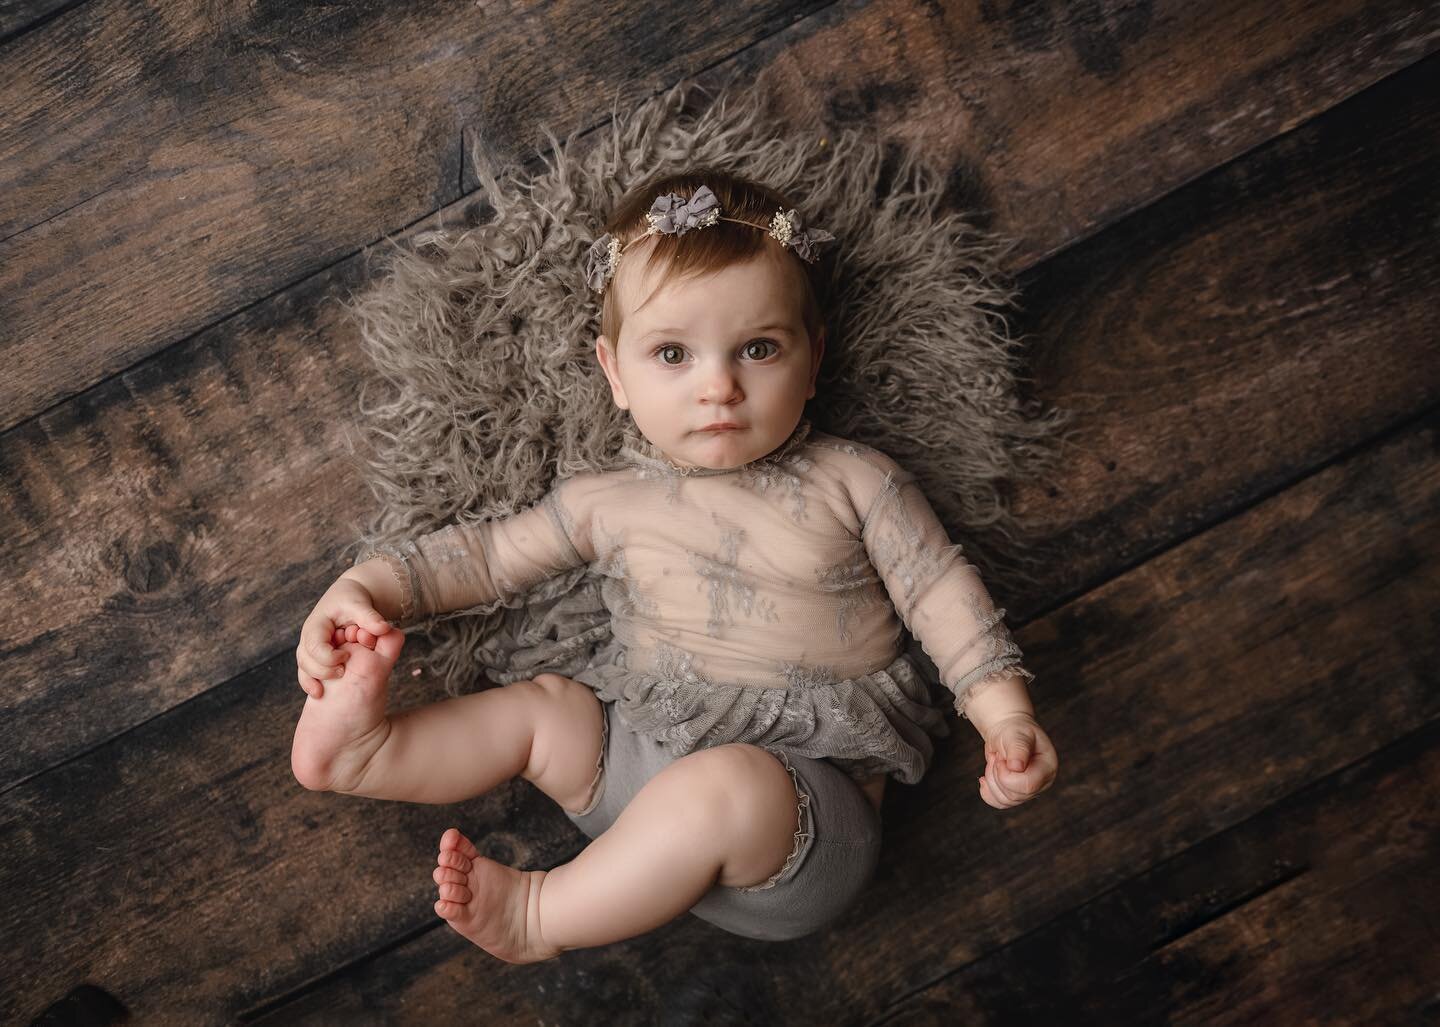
[[748, 349]]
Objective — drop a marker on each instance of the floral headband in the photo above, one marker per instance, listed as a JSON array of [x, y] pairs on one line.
[[673, 214]]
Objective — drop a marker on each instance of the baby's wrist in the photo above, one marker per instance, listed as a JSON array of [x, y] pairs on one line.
[[379, 577], [989, 703]]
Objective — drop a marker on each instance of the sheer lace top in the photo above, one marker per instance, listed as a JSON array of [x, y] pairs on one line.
[[792, 572]]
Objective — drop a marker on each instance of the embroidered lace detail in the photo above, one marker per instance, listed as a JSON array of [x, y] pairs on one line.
[[799, 675], [723, 576], [803, 827], [853, 579], [767, 475]]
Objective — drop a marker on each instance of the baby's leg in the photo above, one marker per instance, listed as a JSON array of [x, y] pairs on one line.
[[547, 730], [726, 814]]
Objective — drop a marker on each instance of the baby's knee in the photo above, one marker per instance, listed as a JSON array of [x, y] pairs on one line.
[[742, 782]]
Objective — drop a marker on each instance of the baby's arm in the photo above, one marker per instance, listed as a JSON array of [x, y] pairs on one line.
[[460, 567], [998, 700], [941, 599]]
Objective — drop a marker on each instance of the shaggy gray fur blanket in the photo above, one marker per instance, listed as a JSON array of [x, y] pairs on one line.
[[483, 342]]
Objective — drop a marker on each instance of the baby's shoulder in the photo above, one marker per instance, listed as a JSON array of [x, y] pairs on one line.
[[586, 488], [862, 470]]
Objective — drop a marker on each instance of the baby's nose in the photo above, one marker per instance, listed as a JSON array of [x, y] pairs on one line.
[[721, 385]]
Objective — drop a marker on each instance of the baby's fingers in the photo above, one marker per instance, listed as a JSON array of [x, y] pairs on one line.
[[1024, 784], [993, 791], [352, 633], [312, 686], [316, 658]]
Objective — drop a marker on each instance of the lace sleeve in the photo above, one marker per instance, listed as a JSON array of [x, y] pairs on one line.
[[461, 566], [937, 592]]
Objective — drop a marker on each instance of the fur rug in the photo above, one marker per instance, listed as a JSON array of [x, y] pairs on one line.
[[482, 341]]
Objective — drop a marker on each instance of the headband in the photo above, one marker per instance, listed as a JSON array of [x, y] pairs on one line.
[[673, 214]]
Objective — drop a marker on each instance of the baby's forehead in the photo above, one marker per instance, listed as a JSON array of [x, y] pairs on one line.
[[638, 284]]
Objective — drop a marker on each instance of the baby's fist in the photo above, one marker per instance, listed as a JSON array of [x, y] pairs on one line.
[[1020, 762]]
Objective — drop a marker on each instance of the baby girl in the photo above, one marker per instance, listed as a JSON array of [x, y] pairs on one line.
[[727, 750]]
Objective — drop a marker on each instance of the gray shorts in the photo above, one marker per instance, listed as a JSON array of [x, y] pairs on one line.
[[837, 844]]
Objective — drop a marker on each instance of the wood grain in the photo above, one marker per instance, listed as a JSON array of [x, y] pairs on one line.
[[165, 168], [1321, 907], [168, 165]]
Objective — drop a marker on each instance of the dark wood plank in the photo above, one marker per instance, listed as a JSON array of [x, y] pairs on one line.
[[242, 534], [20, 16], [1212, 348], [184, 844], [1320, 908], [227, 154], [169, 166]]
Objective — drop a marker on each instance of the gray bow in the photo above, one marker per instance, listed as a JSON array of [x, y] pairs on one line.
[[791, 231], [600, 262], [672, 214]]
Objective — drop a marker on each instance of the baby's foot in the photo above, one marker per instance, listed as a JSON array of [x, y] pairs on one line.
[[495, 906]]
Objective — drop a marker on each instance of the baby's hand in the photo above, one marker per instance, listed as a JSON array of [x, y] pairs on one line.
[[352, 633], [346, 604], [1020, 762]]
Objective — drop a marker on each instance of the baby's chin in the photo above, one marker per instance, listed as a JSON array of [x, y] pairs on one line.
[[722, 450]]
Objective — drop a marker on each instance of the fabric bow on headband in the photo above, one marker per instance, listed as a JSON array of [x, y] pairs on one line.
[[673, 214]]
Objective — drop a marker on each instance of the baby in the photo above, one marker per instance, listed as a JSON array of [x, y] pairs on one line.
[[728, 748]]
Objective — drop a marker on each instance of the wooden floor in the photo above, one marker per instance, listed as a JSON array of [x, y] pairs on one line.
[[1228, 218]]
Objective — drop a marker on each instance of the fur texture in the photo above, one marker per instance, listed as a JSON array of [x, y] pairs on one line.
[[483, 347]]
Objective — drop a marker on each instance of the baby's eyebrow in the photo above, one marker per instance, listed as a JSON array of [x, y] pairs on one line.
[[680, 331]]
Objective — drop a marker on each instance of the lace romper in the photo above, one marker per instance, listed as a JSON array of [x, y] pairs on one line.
[[759, 604]]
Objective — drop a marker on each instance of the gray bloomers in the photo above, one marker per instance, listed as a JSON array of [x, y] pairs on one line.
[[837, 840]]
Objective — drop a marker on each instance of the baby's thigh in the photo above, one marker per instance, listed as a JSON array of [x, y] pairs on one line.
[[569, 730]]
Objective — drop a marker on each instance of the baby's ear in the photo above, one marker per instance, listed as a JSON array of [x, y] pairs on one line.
[[817, 353], [605, 352]]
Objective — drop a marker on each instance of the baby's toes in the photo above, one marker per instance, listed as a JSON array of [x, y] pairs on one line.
[[454, 839], [456, 893], [449, 875], [453, 860]]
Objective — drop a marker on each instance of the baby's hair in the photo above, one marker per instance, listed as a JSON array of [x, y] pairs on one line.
[[700, 252]]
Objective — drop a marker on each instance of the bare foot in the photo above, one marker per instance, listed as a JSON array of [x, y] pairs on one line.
[[495, 906]]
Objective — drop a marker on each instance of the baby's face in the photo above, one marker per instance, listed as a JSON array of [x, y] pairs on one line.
[[730, 347]]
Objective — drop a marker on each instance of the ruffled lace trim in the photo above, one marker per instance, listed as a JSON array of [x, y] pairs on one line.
[[642, 452], [881, 722], [394, 558], [803, 828], [596, 784], [1005, 673]]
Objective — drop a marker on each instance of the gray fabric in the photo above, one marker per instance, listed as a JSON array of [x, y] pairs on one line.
[[837, 839], [486, 388]]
